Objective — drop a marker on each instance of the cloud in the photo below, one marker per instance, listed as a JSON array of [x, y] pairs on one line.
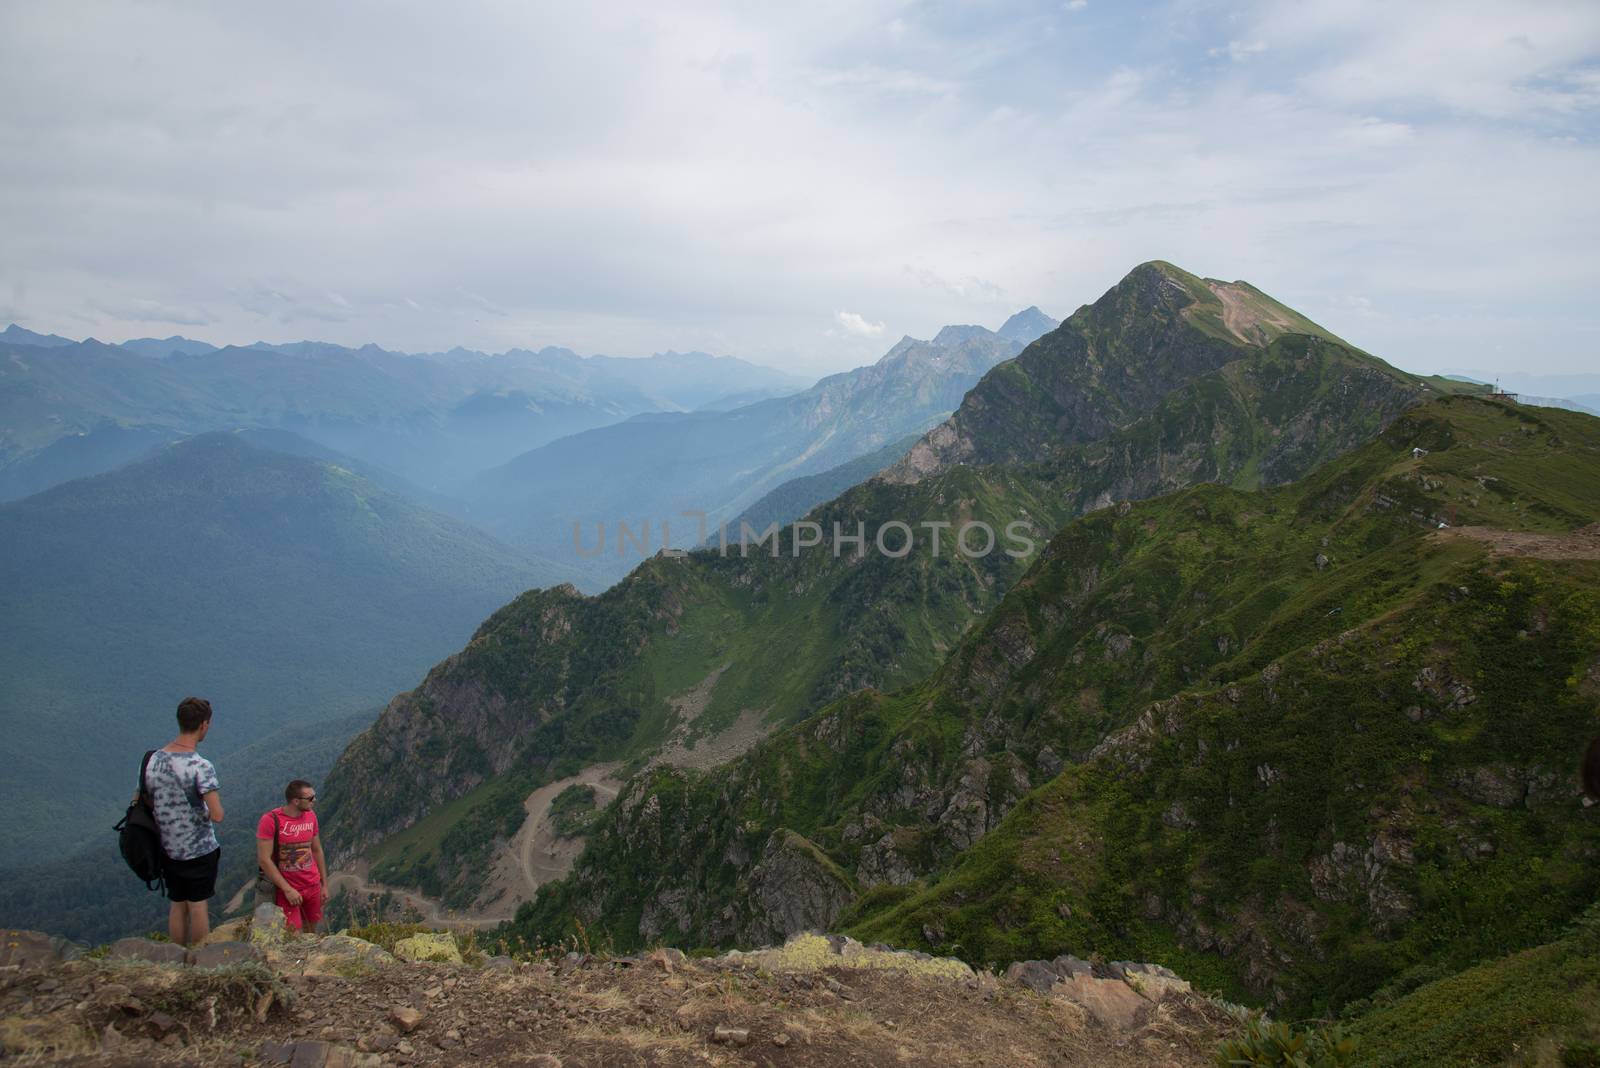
[[1239, 51], [135, 310], [625, 179], [1477, 58], [858, 325], [885, 80]]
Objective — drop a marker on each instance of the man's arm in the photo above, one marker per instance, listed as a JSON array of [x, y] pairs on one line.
[[207, 787], [322, 861], [269, 868]]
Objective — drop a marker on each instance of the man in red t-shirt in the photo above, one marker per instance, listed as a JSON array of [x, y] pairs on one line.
[[295, 865]]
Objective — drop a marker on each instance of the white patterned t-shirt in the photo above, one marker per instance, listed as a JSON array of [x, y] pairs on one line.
[[177, 782]]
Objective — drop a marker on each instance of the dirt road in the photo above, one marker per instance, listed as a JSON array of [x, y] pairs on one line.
[[543, 856], [534, 857]]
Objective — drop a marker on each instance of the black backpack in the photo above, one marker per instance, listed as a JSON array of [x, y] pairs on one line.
[[140, 837]]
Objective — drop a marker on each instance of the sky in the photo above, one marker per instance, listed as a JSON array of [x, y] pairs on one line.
[[797, 184]]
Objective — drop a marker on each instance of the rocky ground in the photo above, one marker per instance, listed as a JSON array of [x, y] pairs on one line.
[[337, 1001]]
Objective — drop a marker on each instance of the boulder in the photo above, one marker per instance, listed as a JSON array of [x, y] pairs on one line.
[[145, 949], [1036, 975], [267, 927], [438, 946], [28, 950], [310, 1054], [1066, 966], [1110, 1002], [405, 1018]]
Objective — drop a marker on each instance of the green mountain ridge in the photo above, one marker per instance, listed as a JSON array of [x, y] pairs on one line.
[[555, 680], [1292, 743], [1540, 1005], [1077, 384]]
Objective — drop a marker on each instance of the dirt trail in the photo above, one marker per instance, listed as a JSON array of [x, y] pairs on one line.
[[1581, 544]]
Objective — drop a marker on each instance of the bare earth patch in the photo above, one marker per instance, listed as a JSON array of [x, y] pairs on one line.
[[688, 749], [1244, 317], [1581, 544]]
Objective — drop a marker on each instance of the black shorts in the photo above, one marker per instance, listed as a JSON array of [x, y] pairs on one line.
[[191, 880]]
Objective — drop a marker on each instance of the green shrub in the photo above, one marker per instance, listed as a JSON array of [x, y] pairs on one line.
[[573, 811], [1279, 1044], [1581, 1055]]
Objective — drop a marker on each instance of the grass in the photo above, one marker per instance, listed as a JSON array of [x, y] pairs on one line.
[[1537, 1006], [385, 935]]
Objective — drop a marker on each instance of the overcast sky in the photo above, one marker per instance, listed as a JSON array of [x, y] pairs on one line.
[[797, 184]]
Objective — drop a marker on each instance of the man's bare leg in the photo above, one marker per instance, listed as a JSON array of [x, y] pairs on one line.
[[178, 923], [199, 922]]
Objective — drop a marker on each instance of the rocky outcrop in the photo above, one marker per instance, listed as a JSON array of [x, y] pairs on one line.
[[793, 888]]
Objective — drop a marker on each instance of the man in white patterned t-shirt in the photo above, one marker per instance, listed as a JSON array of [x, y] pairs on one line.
[[183, 793]]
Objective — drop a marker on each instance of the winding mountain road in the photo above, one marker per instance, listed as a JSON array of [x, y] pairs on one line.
[[543, 856], [534, 856]]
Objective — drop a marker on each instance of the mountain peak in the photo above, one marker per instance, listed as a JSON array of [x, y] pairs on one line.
[[959, 334], [162, 347], [21, 335], [1236, 312], [1028, 325], [1158, 330]]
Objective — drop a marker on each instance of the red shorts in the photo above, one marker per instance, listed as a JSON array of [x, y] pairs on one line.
[[305, 915]]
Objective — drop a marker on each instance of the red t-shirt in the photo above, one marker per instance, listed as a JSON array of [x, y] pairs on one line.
[[295, 858]]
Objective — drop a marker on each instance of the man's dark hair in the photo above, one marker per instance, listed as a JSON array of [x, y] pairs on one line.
[[292, 791], [192, 712], [1591, 769]]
